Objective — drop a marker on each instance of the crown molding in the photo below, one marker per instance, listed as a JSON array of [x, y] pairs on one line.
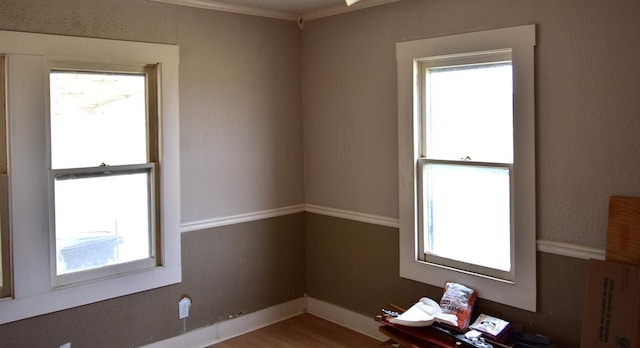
[[218, 5], [340, 9], [234, 8]]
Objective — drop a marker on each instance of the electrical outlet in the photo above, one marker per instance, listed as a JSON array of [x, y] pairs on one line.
[[183, 307], [66, 345]]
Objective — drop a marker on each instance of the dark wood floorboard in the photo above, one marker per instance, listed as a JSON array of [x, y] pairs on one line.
[[302, 331]]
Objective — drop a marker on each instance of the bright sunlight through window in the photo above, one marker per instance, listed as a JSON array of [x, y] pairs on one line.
[[103, 201], [466, 163]]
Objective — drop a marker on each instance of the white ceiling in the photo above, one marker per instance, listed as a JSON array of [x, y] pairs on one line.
[[296, 10]]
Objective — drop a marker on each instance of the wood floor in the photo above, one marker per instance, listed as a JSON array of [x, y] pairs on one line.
[[302, 331]]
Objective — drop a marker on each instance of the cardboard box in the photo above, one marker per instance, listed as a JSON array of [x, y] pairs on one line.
[[612, 306]]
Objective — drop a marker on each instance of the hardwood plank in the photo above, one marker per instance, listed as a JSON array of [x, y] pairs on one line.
[[304, 330]]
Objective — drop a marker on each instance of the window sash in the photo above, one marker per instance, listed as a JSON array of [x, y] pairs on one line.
[[151, 72], [456, 112], [466, 59], [422, 231], [422, 93], [86, 107], [109, 270]]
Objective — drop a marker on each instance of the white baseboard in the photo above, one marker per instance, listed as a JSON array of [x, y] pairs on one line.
[[355, 321], [224, 330]]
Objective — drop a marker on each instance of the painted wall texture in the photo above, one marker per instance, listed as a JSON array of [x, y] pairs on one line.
[[241, 151], [587, 138], [240, 104], [273, 116], [587, 110], [364, 264], [228, 272]]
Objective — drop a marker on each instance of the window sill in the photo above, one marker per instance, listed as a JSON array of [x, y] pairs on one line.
[[12, 309]]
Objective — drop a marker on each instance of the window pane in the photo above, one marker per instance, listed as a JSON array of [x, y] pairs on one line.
[[469, 113], [467, 214], [101, 220], [97, 117]]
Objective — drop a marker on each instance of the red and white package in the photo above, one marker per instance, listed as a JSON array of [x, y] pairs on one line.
[[459, 300]]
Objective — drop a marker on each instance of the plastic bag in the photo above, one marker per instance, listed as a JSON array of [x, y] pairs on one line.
[[459, 300]]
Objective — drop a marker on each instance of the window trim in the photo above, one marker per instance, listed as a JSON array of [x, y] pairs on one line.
[[5, 238], [27, 55], [521, 291]]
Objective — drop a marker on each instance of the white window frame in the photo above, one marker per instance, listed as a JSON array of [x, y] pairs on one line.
[[151, 165], [423, 66], [5, 255], [520, 290], [27, 58]]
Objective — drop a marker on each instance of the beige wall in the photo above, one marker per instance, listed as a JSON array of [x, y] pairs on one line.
[[240, 104], [587, 141], [228, 271], [259, 94], [240, 110], [355, 265], [241, 151], [587, 108]]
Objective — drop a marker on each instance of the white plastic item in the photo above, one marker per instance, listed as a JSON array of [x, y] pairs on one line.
[[413, 316], [183, 307], [424, 313]]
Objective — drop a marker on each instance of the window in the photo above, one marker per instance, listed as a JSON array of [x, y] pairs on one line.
[[103, 173], [467, 165], [93, 170], [465, 161], [5, 261]]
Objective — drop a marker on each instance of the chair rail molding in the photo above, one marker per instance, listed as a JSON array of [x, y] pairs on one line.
[[543, 245]]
